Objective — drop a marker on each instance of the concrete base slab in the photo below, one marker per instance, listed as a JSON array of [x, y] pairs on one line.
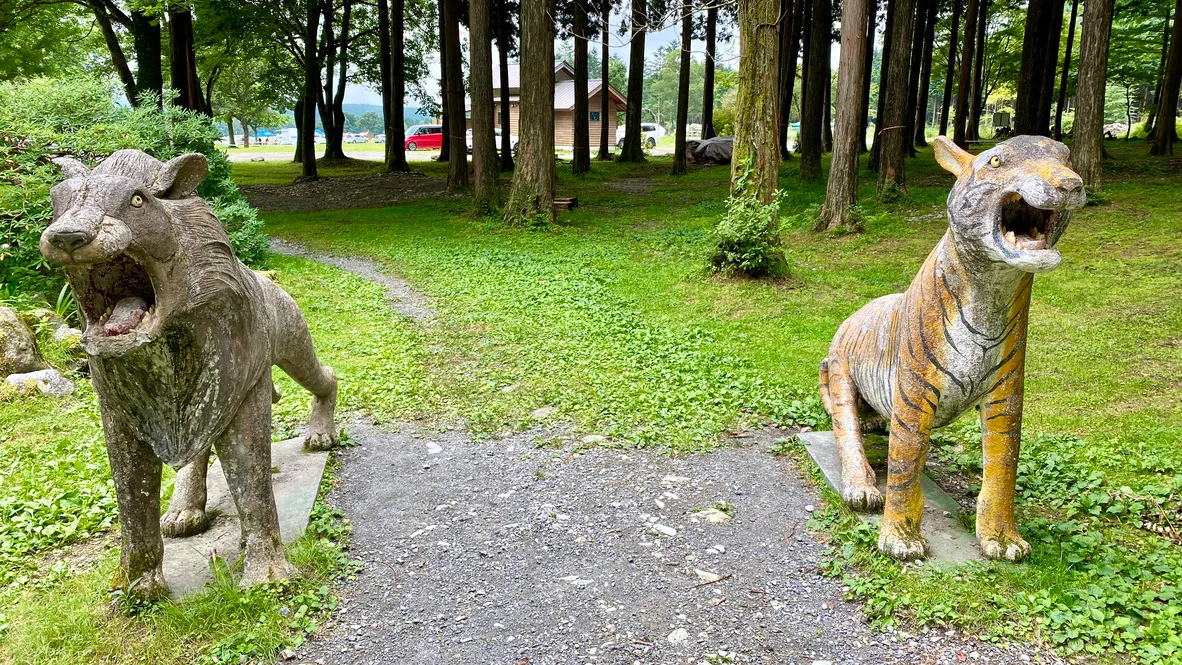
[[949, 542], [295, 478]]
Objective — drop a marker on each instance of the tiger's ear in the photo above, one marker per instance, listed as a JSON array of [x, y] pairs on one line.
[[71, 168], [180, 176], [950, 156]]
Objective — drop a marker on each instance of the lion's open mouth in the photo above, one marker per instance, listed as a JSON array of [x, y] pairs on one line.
[[118, 298], [1024, 227]]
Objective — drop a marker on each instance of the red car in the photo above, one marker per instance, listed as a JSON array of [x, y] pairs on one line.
[[424, 137]]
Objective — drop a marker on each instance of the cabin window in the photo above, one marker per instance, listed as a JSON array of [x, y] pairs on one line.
[[595, 116]]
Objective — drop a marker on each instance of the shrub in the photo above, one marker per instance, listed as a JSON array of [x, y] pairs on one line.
[[42, 118], [747, 240]]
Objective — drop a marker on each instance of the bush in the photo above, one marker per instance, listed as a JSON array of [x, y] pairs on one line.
[[747, 240], [43, 118]]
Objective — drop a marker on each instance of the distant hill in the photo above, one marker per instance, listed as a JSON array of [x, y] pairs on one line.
[[412, 115]]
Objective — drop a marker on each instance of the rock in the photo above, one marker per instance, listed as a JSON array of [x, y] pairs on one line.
[[667, 530], [674, 480], [543, 412], [809, 508], [713, 516], [48, 381], [679, 636], [258, 158], [707, 576], [65, 333], [434, 448], [18, 346], [594, 438], [287, 654]]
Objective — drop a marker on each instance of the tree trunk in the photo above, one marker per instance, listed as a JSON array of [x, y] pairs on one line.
[[311, 92], [841, 192], [787, 76], [457, 165], [812, 112], [581, 162], [1034, 56], [245, 133], [149, 75], [506, 125], [393, 87], [683, 79], [486, 169], [892, 166], [183, 61], [332, 49], [118, 59], [230, 125], [633, 148], [532, 195], [755, 117], [914, 71], [965, 76], [827, 120], [338, 100], [1161, 75], [1165, 131], [883, 71], [1045, 97], [298, 118], [864, 106], [952, 37], [708, 82], [978, 99], [445, 112], [925, 77], [606, 112], [1066, 73], [1088, 132]]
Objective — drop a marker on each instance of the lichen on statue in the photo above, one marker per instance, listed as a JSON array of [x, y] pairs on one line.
[[954, 340], [180, 339]]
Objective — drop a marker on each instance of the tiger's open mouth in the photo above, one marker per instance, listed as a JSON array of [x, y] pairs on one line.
[[1024, 227], [117, 298]]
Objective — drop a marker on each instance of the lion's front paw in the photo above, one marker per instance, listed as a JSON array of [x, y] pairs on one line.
[[182, 523], [321, 440], [862, 498], [901, 548], [263, 569], [1007, 546]]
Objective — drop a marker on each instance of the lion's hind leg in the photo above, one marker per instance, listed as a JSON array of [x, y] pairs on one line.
[[296, 356], [186, 514], [857, 478]]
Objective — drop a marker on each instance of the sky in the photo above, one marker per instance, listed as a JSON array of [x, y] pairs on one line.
[[357, 93]]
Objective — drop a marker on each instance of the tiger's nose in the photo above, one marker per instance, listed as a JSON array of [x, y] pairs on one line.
[[68, 241]]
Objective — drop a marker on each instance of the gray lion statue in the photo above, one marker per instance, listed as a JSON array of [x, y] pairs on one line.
[[180, 339]]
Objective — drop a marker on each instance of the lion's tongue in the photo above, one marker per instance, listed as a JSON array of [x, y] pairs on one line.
[[128, 314]]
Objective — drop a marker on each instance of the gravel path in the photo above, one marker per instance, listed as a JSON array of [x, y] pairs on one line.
[[507, 552]]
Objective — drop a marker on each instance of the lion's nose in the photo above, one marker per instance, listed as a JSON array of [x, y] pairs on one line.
[[68, 241], [1071, 183]]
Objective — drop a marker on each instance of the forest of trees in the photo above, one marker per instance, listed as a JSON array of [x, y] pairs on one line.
[[909, 68]]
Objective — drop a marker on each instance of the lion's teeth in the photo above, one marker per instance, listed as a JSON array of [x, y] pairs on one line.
[[1010, 237]]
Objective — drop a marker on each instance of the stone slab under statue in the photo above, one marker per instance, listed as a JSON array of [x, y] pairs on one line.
[[295, 481], [948, 541]]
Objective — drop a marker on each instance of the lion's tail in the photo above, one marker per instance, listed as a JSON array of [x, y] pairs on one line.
[[825, 386]]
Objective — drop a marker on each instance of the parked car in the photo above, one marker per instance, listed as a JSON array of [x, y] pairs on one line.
[[356, 138], [424, 137], [512, 141], [379, 138], [652, 131]]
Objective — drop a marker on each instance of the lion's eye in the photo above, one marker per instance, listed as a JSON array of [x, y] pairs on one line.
[[995, 161], [137, 201]]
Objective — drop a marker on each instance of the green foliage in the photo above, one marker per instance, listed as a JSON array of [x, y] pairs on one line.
[[747, 240], [45, 117]]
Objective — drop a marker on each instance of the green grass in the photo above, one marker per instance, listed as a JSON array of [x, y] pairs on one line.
[[612, 318]]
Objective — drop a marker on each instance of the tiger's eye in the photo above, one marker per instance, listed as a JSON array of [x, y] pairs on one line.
[[995, 161], [137, 201]]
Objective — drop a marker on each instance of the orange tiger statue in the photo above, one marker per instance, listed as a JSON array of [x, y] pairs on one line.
[[954, 340]]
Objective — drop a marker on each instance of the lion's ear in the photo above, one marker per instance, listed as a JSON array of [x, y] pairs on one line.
[[180, 176], [950, 156], [71, 167]]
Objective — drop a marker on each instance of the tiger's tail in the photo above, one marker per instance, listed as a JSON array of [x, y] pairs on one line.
[[825, 399]]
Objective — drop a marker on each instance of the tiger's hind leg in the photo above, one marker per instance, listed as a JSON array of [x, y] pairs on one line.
[[857, 478]]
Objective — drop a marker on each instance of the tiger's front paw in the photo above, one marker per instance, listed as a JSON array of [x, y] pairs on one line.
[[901, 547], [1005, 546]]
